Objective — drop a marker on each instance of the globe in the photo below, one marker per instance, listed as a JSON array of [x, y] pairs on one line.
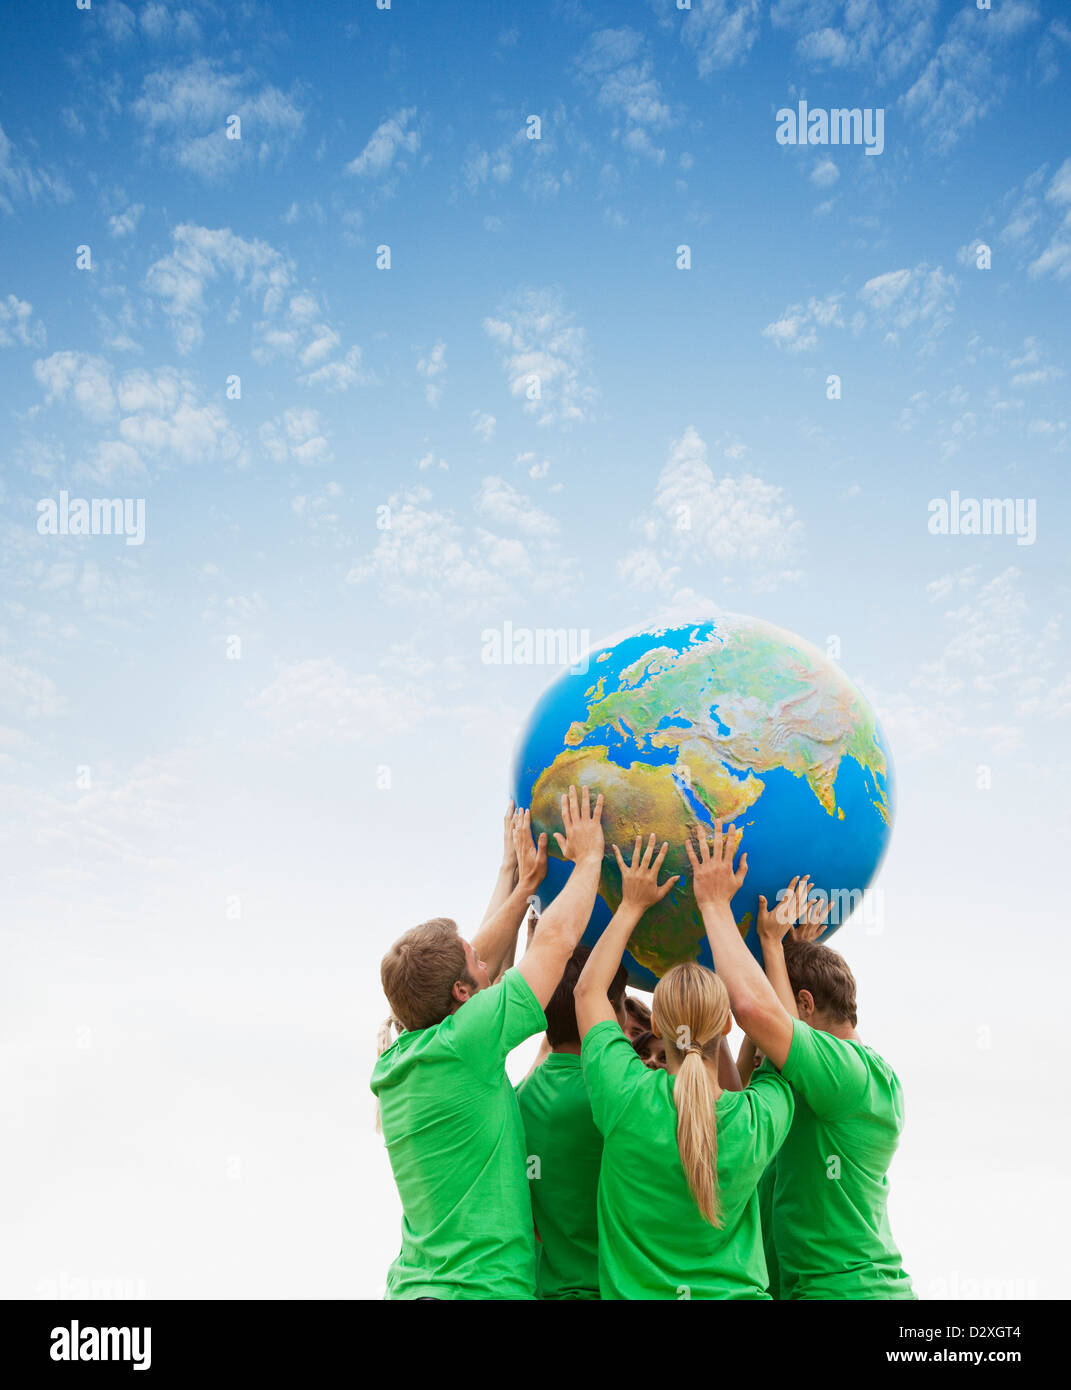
[[731, 718]]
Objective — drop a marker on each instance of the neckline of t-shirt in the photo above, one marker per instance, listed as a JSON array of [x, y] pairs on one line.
[[562, 1057]]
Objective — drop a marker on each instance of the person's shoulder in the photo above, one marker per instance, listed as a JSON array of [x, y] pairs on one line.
[[515, 986], [605, 1033], [765, 1088], [396, 1061], [807, 1040], [879, 1067]]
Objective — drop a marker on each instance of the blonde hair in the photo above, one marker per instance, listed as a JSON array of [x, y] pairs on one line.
[[690, 1009]]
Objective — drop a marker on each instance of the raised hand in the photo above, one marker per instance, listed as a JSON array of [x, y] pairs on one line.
[[813, 921], [774, 925], [640, 888], [531, 857], [509, 849], [793, 907], [714, 881], [583, 838]]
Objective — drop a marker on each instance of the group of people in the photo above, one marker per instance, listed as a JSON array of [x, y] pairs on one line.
[[637, 1159]]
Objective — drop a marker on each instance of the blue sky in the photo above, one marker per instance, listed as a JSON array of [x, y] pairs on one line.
[[151, 780]]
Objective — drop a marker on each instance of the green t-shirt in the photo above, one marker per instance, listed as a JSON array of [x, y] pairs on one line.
[[830, 1217], [456, 1144], [653, 1243], [561, 1134], [766, 1193]]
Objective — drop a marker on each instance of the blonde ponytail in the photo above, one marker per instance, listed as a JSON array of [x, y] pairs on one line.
[[690, 1009]]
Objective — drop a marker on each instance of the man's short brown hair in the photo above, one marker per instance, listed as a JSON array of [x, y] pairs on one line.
[[561, 1011], [419, 973], [824, 973]]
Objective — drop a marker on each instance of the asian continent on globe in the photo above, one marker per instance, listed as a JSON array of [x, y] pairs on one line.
[[729, 718]]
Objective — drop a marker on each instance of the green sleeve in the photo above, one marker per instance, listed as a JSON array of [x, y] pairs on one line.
[[827, 1072], [612, 1073], [772, 1106], [487, 1028]]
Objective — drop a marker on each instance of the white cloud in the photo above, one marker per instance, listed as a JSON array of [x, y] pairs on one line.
[[26, 694], [82, 379], [341, 374], [23, 182], [920, 300], [483, 425], [796, 329], [427, 554], [185, 110], [199, 255], [739, 523], [858, 33], [152, 417], [544, 356], [433, 556], [612, 62], [297, 435], [292, 324], [720, 32], [501, 503], [961, 83], [388, 139], [484, 166], [431, 366], [18, 325], [1000, 673], [125, 223], [825, 174]]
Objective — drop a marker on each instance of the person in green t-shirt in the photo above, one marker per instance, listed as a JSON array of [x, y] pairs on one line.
[[564, 1146], [830, 1194], [749, 1059], [449, 1115], [682, 1154]]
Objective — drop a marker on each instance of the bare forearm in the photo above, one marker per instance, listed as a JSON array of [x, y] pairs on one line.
[[560, 929], [729, 1078], [602, 965], [757, 1008], [745, 1060], [738, 968], [499, 932], [504, 885], [773, 957], [507, 959]]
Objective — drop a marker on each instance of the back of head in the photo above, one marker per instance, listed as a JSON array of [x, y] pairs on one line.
[[637, 1011], [419, 973], [561, 1010], [690, 1009], [824, 973]]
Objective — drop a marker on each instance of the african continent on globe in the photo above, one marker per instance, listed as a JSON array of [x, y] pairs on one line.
[[728, 717]]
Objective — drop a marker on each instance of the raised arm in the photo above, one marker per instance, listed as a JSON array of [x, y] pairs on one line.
[[562, 924], [498, 933], [746, 1061], [639, 889], [792, 906], [507, 870], [755, 1005], [729, 1078]]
